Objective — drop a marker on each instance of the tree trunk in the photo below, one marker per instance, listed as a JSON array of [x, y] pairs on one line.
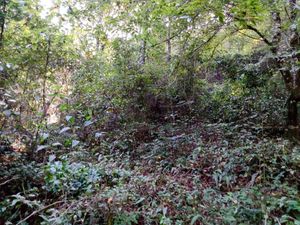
[[169, 46], [44, 84], [292, 119], [143, 53], [292, 111], [294, 81], [2, 21], [286, 65]]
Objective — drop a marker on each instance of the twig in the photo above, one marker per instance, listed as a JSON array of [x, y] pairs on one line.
[[252, 181], [206, 42], [37, 211], [174, 35], [5, 182], [249, 36], [278, 221], [259, 34]]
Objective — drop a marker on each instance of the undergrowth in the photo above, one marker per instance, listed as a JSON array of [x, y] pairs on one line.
[[188, 173]]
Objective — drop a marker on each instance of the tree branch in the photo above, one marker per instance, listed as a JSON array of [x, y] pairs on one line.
[[249, 36], [174, 35], [5, 182], [207, 41], [37, 211], [249, 27]]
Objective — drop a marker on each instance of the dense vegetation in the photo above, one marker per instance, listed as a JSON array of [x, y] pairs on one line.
[[125, 112]]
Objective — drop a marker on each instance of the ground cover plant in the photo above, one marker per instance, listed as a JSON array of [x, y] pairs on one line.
[[149, 112]]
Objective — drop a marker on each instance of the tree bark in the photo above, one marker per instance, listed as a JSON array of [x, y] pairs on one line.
[[294, 82], [143, 53], [2, 21], [169, 46], [292, 111]]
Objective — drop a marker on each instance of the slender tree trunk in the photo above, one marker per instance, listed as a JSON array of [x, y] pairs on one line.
[[169, 46], [97, 44], [2, 21], [143, 53], [45, 106]]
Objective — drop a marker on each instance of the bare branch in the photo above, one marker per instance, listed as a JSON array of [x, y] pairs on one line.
[[249, 27], [5, 182], [37, 211]]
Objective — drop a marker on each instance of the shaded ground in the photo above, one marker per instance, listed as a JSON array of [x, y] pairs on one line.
[[185, 173]]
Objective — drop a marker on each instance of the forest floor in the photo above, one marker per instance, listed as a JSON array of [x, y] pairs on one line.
[[182, 172]]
